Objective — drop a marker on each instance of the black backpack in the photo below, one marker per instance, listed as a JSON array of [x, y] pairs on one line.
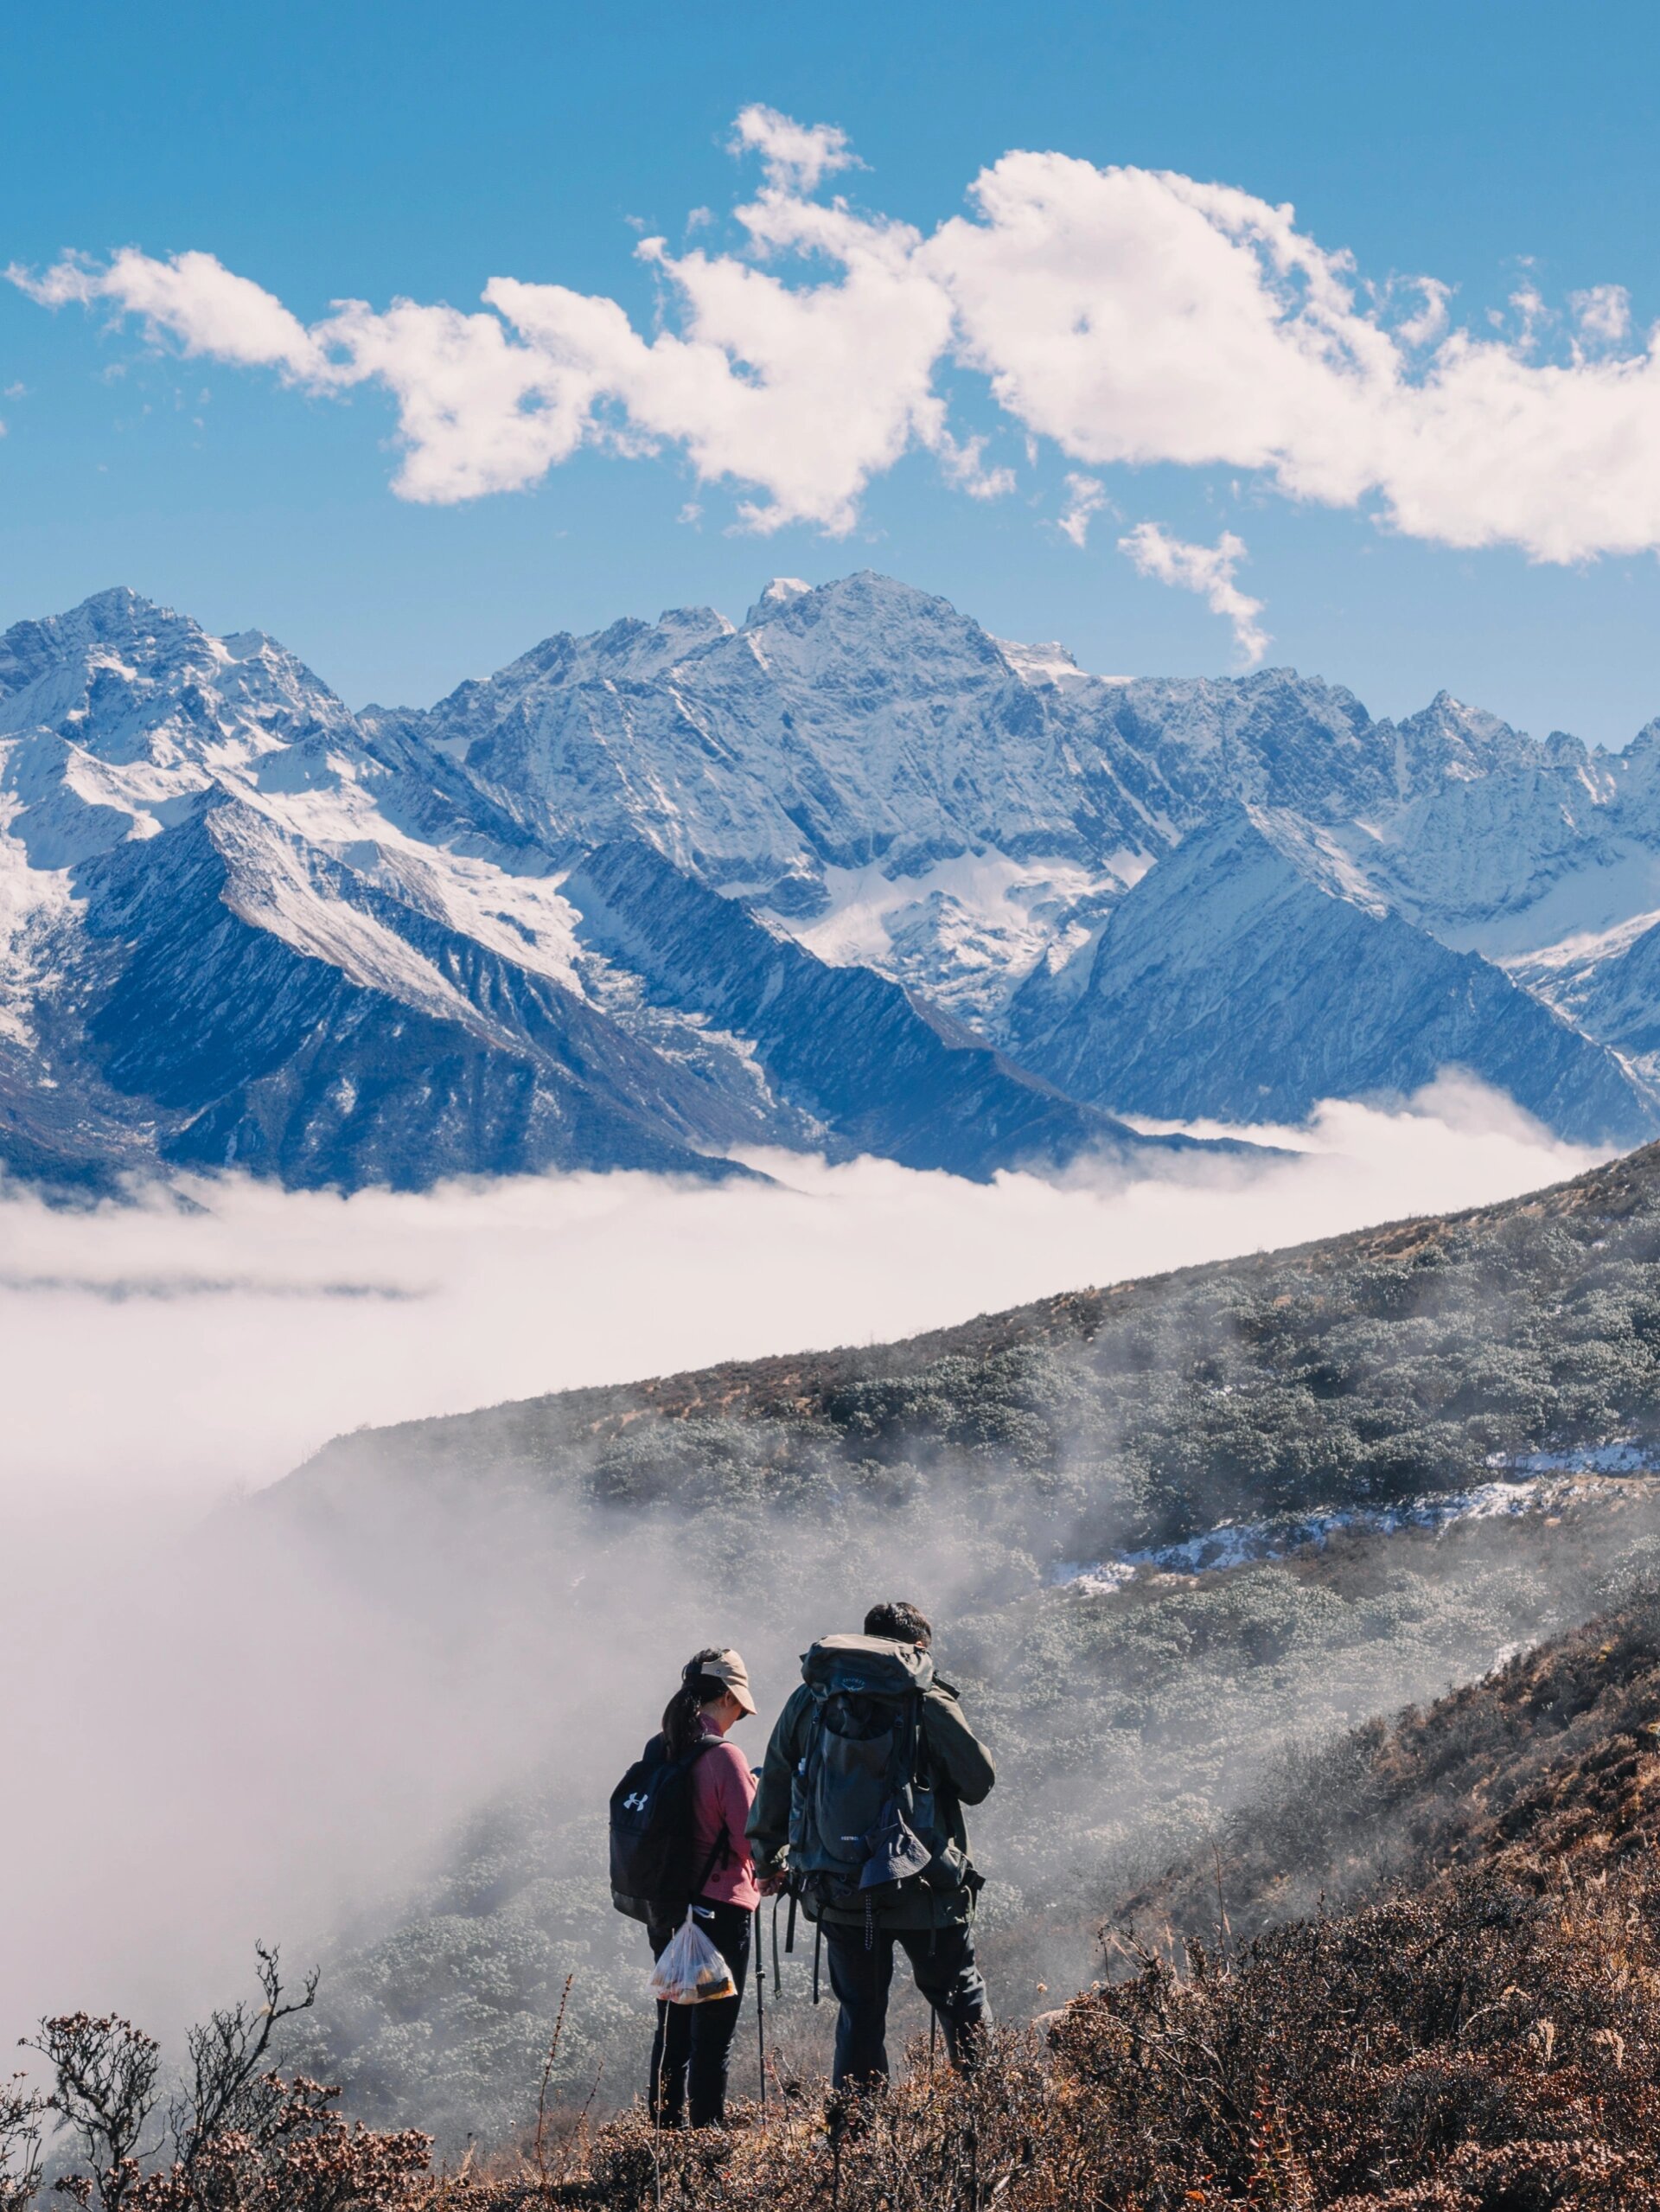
[[651, 1836], [856, 1798]]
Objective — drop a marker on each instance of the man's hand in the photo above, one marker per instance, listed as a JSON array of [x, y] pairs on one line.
[[771, 1885]]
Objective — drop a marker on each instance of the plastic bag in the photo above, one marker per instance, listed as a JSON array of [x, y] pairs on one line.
[[690, 1970]]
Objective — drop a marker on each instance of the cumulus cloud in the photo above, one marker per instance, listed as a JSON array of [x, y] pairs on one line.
[[1208, 569], [796, 157], [194, 300], [1426, 326], [1126, 316]]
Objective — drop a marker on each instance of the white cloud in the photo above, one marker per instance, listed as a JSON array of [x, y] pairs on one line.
[[383, 1306], [1424, 328], [1085, 497], [1604, 313], [962, 463], [194, 300], [477, 412], [1208, 569], [1125, 315], [796, 157], [1532, 307]]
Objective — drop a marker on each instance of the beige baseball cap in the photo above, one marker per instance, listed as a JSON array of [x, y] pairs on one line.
[[730, 1669]]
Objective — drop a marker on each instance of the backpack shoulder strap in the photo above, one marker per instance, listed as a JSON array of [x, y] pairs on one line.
[[918, 1766]]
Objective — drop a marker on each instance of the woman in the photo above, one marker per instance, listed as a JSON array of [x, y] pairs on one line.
[[692, 2050]]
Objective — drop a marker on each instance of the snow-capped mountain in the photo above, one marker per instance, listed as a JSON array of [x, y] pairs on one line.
[[1237, 981], [245, 928], [886, 778], [902, 789], [851, 875]]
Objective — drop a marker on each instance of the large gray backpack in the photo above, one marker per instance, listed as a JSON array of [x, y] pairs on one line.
[[857, 1797]]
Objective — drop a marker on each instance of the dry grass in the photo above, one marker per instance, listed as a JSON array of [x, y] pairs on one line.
[[1489, 2043], [1484, 2048]]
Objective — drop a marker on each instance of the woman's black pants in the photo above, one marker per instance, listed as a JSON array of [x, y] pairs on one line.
[[691, 2050]]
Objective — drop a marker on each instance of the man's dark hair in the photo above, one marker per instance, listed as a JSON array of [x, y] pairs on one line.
[[899, 1622]]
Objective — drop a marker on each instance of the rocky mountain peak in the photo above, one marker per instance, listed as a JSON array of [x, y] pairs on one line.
[[778, 593]]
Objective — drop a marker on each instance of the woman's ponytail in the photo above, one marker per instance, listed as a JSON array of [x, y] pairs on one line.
[[685, 1708]]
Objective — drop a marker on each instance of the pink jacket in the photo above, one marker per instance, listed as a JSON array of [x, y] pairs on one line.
[[723, 1789]]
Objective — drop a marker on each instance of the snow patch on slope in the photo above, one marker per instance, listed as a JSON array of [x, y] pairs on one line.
[[966, 930], [1558, 1478], [35, 902], [1049, 663], [1597, 900], [272, 887]]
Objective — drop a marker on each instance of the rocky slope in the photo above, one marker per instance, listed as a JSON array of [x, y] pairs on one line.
[[1233, 981]]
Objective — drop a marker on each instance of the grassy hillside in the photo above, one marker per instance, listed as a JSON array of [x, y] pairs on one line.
[[1481, 2038], [1482, 2041], [1482, 2045], [1478, 2049], [1371, 1366], [770, 1501], [1549, 1764]]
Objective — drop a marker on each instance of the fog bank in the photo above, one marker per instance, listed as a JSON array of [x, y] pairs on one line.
[[235, 1736], [162, 1352]]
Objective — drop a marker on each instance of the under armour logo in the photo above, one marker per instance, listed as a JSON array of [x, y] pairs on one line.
[[634, 1804]]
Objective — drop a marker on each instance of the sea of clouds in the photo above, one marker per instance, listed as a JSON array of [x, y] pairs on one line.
[[212, 1733], [206, 1339]]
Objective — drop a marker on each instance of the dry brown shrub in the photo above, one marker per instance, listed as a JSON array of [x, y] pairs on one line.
[[1485, 2046]]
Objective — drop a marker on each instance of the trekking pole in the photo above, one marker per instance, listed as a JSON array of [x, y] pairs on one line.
[[761, 2023], [657, 2123]]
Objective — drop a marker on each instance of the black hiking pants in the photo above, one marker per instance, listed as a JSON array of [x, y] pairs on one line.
[[691, 2052], [861, 1974]]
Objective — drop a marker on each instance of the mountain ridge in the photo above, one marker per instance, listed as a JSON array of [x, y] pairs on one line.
[[857, 770], [1289, 1381]]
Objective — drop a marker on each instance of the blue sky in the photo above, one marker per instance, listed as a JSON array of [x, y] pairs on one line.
[[373, 152]]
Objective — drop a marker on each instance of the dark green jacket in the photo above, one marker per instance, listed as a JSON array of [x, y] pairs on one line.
[[955, 1765]]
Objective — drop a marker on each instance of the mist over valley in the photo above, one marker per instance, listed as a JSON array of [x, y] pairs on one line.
[[358, 1680]]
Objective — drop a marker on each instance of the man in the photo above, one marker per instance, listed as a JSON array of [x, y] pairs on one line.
[[863, 1911]]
